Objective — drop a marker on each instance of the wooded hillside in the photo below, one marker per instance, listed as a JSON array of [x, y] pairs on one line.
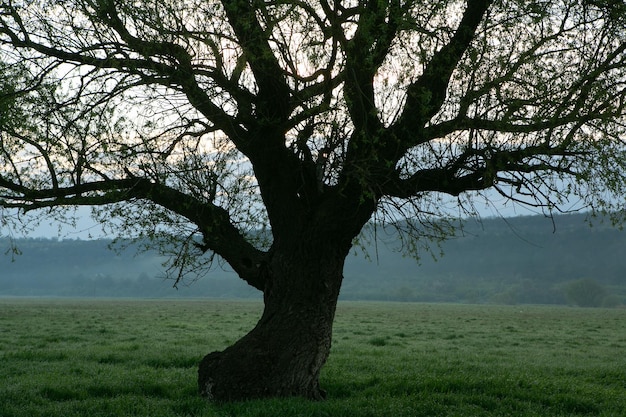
[[517, 260]]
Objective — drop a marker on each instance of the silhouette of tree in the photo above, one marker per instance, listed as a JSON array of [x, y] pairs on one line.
[[196, 122]]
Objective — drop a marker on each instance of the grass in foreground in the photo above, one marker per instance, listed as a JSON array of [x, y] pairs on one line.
[[138, 358]]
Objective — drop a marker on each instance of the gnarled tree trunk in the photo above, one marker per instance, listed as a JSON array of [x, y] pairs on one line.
[[283, 355]]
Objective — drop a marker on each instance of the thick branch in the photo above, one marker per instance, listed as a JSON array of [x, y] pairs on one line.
[[374, 150], [428, 93], [477, 169], [219, 234], [273, 98], [365, 53], [440, 130]]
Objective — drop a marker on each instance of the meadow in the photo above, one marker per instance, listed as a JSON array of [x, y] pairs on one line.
[[138, 358]]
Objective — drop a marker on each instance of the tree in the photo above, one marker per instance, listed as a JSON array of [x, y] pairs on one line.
[[198, 122], [585, 292]]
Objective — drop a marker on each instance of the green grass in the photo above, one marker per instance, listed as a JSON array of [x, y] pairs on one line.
[[138, 358]]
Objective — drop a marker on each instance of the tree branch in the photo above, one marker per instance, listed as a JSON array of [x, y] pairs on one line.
[[477, 169], [427, 94], [365, 53], [273, 97], [176, 69], [219, 234]]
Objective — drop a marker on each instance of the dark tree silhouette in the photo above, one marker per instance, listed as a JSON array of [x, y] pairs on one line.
[[198, 122]]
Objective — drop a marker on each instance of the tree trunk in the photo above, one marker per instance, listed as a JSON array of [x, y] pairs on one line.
[[283, 355]]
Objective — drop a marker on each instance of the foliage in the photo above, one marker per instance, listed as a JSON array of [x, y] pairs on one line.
[[137, 358]]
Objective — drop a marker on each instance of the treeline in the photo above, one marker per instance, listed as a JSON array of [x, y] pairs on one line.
[[531, 259], [513, 261], [92, 268]]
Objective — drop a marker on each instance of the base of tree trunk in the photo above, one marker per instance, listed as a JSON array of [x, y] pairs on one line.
[[281, 357], [284, 353], [251, 369]]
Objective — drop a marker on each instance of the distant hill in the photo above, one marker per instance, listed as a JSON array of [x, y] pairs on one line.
[[514, 260]]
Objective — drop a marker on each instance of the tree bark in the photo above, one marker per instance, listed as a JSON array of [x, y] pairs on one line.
[[283, 355]]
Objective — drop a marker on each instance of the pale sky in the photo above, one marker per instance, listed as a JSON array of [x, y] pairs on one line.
[[88, 229]]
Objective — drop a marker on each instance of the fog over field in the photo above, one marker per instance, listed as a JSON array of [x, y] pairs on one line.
[[525, 259]]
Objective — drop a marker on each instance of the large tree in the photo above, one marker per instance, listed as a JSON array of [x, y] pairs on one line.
[[199, 122]]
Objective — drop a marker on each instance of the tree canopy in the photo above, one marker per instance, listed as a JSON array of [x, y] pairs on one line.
[[204, 120], [218, 107]]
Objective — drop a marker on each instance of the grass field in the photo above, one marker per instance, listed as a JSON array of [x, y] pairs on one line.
[[138, 358]]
